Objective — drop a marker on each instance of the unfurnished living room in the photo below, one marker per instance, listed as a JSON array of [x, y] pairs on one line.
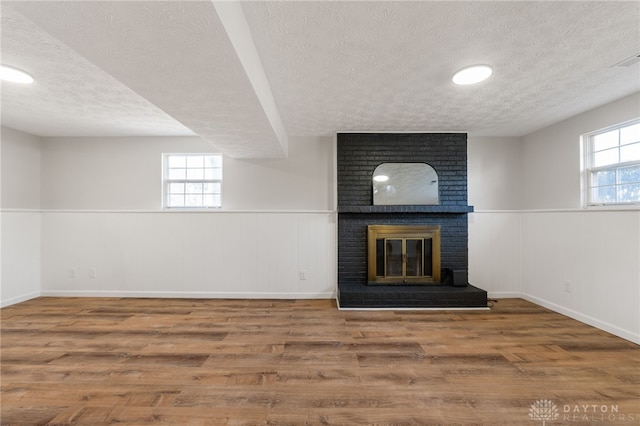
[[320, 212]]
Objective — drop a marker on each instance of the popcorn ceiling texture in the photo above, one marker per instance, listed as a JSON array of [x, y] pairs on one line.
[[71, 96], [169, 67], [386, 66], [177, 56]]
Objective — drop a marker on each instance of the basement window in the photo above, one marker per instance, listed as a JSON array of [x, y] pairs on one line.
[[612, 165], [192, 181]]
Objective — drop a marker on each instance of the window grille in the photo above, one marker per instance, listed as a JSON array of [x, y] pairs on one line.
[[192, 181], [612, 165]]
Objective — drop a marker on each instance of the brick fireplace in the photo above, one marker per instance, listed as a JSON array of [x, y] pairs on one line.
[[358, 155]]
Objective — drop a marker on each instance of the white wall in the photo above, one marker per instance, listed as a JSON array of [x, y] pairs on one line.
[[551, 156], [108, 173], [102, 216], [302, 181], [224, 254], [530, 237], [597, 252], [494, 168], [19, 216], [101, 200], [125, 174], [20, 170], [494, 183], [495, 252]]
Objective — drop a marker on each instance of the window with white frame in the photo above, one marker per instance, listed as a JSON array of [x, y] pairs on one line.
[[192, 181], [612, 165]]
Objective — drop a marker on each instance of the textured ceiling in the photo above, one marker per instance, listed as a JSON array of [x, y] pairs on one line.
[[71, 96], [175, 68], [176, 55], [387, 65]]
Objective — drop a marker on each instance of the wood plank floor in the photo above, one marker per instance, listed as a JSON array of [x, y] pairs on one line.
[[95, 361]]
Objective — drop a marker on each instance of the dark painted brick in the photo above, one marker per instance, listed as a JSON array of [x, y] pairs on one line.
[[359, 154]]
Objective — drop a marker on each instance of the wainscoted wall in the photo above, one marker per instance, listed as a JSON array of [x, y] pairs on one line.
[[527, 235], [585, 265], [98, 213], [597, 251], [101, 212], [20, 254], [20, 216], [222, 254], [495, 256], [494, 165]]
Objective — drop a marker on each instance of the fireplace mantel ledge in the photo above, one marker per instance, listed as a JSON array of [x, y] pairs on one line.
[[406, 209]]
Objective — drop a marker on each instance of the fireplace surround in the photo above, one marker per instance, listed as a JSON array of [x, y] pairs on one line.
[[357, 157]]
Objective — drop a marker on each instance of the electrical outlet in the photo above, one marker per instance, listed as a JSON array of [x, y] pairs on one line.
[[73, 272], [566, 285], [303, 275], [92, 272]]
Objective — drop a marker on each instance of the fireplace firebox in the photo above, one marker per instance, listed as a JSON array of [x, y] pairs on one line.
[[403, 254]]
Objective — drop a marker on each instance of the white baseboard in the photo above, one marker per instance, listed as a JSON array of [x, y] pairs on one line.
[[189, 295], [602, 325], [504, 295], [19, 299]]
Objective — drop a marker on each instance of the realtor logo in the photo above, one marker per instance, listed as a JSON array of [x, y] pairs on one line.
[[543, 409]]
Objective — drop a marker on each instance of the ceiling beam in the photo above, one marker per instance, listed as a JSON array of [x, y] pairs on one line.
[[234, 22], [178, 56]]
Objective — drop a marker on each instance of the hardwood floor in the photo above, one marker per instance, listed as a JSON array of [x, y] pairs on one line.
[[95, 361]]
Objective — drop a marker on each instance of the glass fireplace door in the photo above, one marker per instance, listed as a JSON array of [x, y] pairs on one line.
[[412, 258], [393, 258], [403, 257]]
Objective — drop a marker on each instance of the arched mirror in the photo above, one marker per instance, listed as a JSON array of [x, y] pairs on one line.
[[405, 184]]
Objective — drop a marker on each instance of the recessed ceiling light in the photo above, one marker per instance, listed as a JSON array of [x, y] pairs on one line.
[[14, 75], [473, 74]]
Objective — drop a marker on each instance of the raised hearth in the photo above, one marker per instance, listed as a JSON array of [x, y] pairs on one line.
[[352, 295]]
